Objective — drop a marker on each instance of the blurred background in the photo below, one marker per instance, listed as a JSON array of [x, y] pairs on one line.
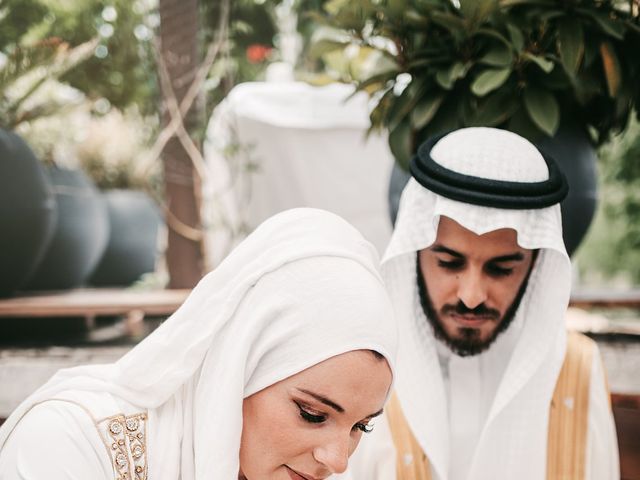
[[141, 140]]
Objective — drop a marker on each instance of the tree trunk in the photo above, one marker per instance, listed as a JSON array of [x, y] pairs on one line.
[[179, 49]]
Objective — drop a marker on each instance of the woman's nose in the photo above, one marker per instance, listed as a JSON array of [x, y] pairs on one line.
[[334, 454]]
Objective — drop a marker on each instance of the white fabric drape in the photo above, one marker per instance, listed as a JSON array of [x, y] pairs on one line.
[[274, 146], [497, 427], [302, 288]]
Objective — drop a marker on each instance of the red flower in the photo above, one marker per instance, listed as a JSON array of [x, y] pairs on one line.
[[257, 53]]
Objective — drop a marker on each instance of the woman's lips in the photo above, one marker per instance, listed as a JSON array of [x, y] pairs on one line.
[[297, 475]]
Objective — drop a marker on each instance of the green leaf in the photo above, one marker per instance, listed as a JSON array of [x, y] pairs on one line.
[[404, 103], [544, 64], [449, 21], [543, 109], [498, 56], [607, 25], [426, 109], [539, 3], [521, 124], [489, 80], [397, 8], [517, 38], [570, 43], [494, 109], [324, 46], [477, 10], [446, 78], [611, 67], [494, 34], [415, 18], [401, 143], [375, 82], [550, 15]]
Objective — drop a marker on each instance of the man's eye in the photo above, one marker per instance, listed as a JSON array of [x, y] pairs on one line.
[[497, 271], [310, 417], [364, 427], [451, 264]]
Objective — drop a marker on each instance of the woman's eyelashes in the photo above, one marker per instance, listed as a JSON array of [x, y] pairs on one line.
[[364, 427], [312, 416]]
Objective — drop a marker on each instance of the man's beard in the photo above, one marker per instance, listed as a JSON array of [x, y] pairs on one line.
[[469, 343]]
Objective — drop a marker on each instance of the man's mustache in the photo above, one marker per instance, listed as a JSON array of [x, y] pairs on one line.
[[481, 310]]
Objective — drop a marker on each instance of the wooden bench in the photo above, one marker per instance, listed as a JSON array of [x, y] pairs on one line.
[[133, 305]]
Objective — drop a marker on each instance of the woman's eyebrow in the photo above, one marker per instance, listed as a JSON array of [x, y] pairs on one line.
[[322, 399]]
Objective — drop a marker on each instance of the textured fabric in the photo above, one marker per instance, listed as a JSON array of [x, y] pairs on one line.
[[489, 192], [570, 424], [510, 444], [302, 288]]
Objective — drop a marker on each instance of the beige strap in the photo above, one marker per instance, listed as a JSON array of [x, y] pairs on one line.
[[569, 412], [411, 462], [568, 421]]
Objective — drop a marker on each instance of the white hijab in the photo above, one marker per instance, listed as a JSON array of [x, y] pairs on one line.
[[513, 440], [302, 288]]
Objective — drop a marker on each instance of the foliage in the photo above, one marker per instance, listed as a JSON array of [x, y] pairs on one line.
[[525, 65], [612, 248], [28, 71], [100, 48], [122, 69], [248, 48]]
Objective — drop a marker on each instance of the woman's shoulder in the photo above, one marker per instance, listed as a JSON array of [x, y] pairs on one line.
[[54, 439]]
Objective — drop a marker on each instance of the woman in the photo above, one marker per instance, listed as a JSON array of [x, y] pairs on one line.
[[273, 368]]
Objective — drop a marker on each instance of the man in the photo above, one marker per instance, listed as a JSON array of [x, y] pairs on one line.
[[480, 281]]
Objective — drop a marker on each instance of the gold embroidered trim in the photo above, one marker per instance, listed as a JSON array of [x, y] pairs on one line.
[[126, 437]]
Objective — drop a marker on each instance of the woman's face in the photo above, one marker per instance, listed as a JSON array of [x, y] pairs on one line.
[[306, 426]]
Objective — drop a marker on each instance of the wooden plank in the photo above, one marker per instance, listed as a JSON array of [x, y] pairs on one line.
[[92, 302], [601, 298]]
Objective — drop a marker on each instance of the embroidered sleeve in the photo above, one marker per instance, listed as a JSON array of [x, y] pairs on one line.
[[125, 437]]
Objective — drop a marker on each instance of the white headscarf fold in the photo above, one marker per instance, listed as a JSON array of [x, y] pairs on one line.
[[513, 441], [302, 288]]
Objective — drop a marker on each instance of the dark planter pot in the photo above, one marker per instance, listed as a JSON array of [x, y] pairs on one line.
[[131, 251], [573, 152], [27, 212], [576, 157], [80, 236]]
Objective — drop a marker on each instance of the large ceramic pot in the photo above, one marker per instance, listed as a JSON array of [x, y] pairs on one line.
[[132, 249], [80, 236], [27, 212], [573, 152]]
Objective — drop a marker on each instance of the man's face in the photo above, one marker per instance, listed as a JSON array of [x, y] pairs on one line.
[[473, 284]]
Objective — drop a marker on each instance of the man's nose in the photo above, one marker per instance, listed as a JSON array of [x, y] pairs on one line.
[[334, 454], [472, 289]]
